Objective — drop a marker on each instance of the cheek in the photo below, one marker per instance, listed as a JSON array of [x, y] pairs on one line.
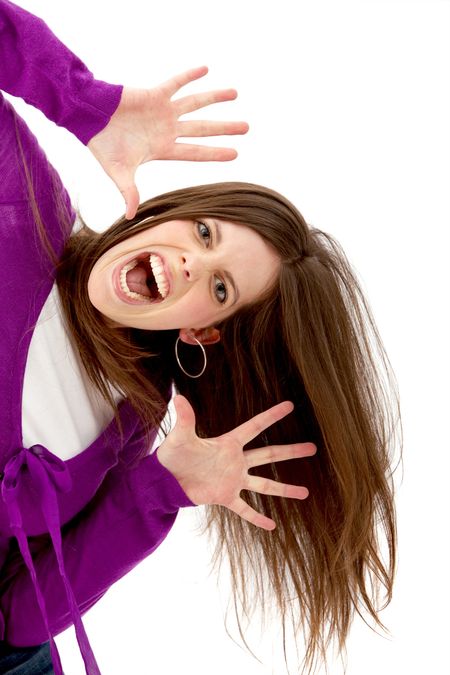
[[194, 307], [197, 308], [92, 287]]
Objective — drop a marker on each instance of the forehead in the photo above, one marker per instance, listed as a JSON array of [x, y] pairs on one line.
[[252, 261]]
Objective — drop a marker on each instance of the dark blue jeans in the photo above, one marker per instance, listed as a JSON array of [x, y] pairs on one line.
[[25, 660]]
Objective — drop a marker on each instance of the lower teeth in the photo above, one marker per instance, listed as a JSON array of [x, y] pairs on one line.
[[124, 287], [136, 296]]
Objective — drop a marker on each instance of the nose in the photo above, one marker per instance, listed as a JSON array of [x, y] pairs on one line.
[[191, 265]]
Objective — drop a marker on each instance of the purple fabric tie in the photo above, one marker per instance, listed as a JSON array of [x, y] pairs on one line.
[[48, 474]]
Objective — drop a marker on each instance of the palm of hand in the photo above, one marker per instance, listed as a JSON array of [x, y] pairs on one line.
[[142, 129], [215, 470]]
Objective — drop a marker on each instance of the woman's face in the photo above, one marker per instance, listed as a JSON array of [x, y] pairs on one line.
[[182, 274]]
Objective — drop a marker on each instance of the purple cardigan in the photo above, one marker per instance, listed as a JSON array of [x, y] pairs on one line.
[[127, 512]]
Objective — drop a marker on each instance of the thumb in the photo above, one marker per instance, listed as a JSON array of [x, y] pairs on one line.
[[123, 177], [185, 414], [131, 196]]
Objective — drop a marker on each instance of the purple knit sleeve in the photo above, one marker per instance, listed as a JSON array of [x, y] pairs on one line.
[[134, 508], [127, 520], [37, 67]]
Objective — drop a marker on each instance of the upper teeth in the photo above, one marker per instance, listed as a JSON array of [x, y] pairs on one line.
[[159, 274]]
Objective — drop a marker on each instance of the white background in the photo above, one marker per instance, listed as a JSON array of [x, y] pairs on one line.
[[348, 104]]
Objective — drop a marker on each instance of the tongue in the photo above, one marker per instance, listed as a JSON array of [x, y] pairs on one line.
[[137, 281]]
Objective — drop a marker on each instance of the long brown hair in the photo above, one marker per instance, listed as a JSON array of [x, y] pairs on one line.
[[311, 339]]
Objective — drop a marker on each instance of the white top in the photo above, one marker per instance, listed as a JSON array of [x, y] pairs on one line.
[[60, 408]]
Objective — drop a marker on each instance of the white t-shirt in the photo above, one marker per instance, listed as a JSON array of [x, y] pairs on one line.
[[60, 407]]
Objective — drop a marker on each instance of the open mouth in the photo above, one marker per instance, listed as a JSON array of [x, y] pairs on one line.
[[144, 279]]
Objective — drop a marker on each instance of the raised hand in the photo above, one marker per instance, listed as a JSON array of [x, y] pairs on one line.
[[215, 470], [146, 126]]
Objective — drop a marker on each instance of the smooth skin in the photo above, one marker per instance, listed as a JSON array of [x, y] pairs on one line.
[[203, 273], [145, 127], [215, 470]]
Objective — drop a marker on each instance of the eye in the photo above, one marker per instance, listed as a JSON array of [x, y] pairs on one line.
[[204, 232], [220, 290]]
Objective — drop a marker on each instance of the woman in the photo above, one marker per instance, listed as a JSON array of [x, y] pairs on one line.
[[282, 330]]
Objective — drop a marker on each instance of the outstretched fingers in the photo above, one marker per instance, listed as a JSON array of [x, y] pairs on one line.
[[192, 102], [199, 128], [278, 453], [201, 153], [248, 513], [266, 486], [247, 431], [175, 83]]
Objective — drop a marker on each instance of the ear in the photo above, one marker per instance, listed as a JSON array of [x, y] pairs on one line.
[[207, 336]]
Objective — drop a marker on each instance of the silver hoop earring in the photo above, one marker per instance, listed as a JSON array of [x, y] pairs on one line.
[[178, 358]]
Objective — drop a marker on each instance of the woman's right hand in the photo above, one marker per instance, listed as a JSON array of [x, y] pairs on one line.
[[215, 470], [146, 127]]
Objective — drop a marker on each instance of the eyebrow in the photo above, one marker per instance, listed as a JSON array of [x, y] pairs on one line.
[[227, 275]]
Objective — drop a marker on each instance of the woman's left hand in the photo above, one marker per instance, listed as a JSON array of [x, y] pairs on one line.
[[146, 126], [215, 470]]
